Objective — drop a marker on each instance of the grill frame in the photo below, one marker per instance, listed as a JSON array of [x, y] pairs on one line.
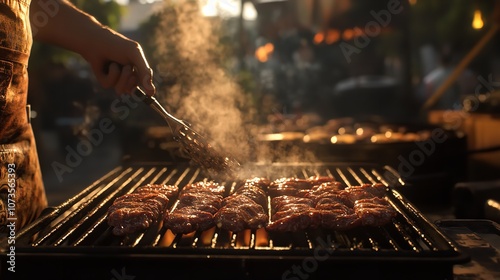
[[53, 230]]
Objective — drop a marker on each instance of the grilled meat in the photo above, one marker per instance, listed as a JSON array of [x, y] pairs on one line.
[[279, 202], [292, 214], [136, 211], [337, 216], [298, 187], [294, 221], [316, 190], [254, 193], [377, 190], [288, 186], [169, 191], [240, 212], [374, 211], [205, 201], [330, 206], [351, 196], [245, 208], [189, 219], [198, 202], [203, 186], [318, 180], [262, 183]]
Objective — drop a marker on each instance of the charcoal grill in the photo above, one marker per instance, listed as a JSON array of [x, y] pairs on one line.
[[73, 240]]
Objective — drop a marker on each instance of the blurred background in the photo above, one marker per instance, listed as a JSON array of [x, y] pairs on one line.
[[296, 80]]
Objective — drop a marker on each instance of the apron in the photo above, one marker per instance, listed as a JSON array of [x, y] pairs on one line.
[[22, 194]]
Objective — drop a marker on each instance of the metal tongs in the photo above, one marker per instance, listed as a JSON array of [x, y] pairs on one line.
[[196, 146]]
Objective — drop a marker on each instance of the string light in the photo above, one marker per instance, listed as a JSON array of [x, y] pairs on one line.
[[477, 22]]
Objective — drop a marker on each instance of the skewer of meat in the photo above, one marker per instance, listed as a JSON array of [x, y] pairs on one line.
[[136, 211]]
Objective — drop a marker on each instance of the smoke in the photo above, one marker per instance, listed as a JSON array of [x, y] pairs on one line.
[[196, 86]]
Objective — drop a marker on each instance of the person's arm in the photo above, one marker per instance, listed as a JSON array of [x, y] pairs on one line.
[[117, 61]]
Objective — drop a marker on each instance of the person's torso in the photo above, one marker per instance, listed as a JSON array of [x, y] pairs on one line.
[[22, 195], [15, 28], [15, 46]]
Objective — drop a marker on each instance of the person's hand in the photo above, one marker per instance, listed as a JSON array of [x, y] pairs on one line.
[[119, 63]]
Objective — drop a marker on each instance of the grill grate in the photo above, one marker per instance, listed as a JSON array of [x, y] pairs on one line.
[[79, 225]]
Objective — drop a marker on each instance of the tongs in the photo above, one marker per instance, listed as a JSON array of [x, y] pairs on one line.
[[196, 146]]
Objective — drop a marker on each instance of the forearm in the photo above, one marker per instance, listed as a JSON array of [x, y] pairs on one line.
[[59, 23]]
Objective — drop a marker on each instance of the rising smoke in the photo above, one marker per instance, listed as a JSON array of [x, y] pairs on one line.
[[197, 88], [196, 85]]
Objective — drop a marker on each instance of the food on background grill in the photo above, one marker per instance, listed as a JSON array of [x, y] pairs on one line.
[[136, 211], [329, 205], [197, 204]]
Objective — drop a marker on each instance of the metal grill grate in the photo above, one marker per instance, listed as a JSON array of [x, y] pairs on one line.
[[81, 221], [78, 227]]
